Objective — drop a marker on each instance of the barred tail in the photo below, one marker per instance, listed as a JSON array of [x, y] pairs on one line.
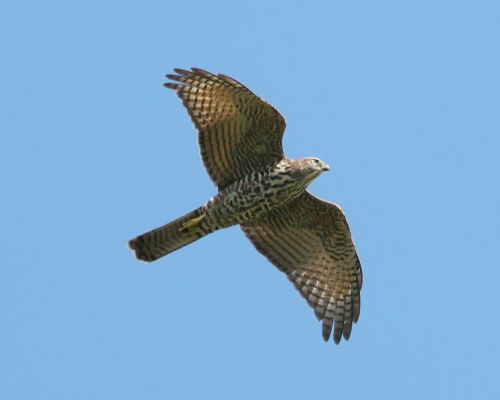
[[167, 238]]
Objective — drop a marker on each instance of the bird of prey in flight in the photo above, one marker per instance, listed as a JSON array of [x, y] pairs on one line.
[[308, 239]]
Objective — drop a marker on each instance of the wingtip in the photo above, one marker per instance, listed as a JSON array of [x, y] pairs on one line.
[[202, 72], [326, 331], [171, 85], [337, 334], [181, 71], [347, 331]]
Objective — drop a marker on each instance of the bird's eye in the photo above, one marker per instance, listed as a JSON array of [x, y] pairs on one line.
[[315, 161]]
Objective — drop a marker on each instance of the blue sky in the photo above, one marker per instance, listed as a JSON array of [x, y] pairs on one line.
[[402, 99]]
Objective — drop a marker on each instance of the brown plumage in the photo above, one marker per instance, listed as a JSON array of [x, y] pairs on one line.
[[259, 188]]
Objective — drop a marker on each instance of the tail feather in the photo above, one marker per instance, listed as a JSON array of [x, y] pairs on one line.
[[167, 238]]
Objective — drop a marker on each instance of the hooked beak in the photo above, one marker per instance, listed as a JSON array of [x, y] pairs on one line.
[[325, 167]]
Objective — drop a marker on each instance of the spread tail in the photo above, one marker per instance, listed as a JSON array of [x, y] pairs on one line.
[[167, 238]]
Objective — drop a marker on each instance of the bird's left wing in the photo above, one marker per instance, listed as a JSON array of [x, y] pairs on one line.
[[309, 240]]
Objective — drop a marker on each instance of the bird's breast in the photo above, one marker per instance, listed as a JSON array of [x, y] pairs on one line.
[[253, 196]]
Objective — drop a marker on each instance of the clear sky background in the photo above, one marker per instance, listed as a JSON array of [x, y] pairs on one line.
[[401, 98]]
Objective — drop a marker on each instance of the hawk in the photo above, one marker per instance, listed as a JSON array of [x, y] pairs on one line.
[[308, 239]]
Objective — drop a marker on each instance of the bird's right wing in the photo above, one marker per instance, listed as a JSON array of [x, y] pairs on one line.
[[238, 131], [309, 240]]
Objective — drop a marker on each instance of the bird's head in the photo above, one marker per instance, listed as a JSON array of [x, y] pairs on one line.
[[309, 168], [315, 164]]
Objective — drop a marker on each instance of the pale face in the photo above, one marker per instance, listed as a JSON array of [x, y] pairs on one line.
[[317, 165], [310, 168]]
